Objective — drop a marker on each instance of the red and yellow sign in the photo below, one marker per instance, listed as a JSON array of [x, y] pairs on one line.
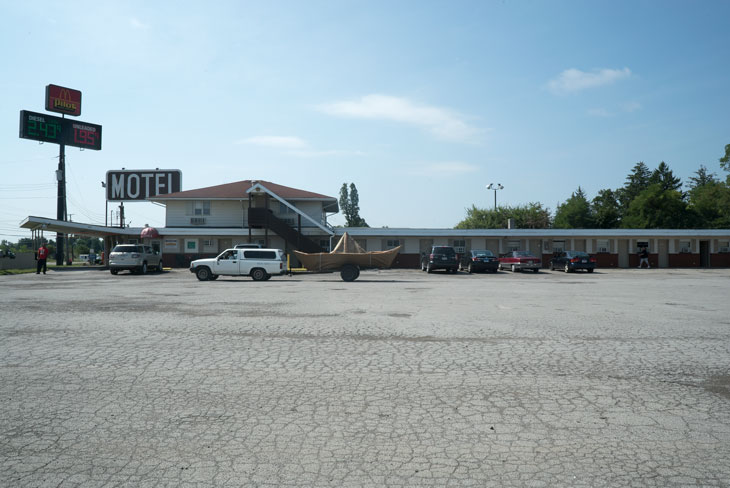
[[63, 100]]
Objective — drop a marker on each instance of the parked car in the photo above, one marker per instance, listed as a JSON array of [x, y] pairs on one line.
[[441, 257], [260, 264], [569, 261], [519, 261], [136, 258], [479, 260], [7, 254]]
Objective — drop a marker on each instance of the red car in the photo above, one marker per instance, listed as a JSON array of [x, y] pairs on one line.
[[519, 261]]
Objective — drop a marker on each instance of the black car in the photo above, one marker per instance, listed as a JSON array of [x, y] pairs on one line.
[[441, 257], [479, 260], [569, 261]]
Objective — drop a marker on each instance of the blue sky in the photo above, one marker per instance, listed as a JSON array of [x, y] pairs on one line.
[[420, 104]]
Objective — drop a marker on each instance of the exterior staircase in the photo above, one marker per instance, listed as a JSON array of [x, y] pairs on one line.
[[265, 219]]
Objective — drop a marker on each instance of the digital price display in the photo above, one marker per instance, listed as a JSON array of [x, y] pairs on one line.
[[83, 134], [48, 128], [41, 127]]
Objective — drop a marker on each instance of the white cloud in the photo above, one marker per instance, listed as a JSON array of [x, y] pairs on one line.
[[442, 123], [574, 80], [295, 146], [312, 153], [138, 24], [282, 142]]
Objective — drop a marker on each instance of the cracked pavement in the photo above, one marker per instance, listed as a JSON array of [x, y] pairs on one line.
[[616, 378]]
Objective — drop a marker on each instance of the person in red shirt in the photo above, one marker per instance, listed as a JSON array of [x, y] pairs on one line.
[[42, 256]]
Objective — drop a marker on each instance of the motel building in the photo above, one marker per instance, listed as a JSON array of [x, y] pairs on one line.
[[204, 222]]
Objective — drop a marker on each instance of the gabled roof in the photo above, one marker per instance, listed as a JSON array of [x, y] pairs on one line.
[[238, 191]]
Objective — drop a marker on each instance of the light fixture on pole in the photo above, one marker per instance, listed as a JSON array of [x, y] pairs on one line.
[[494, 187]]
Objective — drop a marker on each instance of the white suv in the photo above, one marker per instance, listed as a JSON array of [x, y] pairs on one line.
[[259, 264], [136, 258]]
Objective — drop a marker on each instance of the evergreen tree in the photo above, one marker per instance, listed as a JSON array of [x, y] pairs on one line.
[[636, 182], [350, 206], [725, 162], [665, 178], [703, 178], [575, 213]]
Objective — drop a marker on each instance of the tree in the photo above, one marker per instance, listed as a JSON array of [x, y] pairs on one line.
[[725, 162], [606, 210], [530, 216], [350, 206], [665, 178], [657, 208], [575, 213], [703, 178], [636, 182], [711, 204]]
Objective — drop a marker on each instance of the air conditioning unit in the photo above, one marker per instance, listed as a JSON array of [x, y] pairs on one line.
[[197, 220], [460, 249]]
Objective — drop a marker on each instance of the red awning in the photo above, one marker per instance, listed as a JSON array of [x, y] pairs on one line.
[[149, 232]]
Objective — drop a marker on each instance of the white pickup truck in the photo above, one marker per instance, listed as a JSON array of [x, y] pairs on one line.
[[259, 264]]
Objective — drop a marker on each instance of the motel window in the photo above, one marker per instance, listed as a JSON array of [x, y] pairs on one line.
[[603, 245], [391, 243], [724, 246], [558, 246], [685, 246], [513, 246], [283, 209], [199, 207], [459, 246], [210, 245]]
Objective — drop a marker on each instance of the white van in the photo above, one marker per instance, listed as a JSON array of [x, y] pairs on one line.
[[259, 264]]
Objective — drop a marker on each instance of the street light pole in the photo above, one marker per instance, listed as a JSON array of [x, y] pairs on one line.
[[494, 187]]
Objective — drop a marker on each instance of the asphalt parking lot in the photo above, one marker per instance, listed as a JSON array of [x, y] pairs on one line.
[[616, 378]]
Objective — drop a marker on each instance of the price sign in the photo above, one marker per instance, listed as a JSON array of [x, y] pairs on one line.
[[41, 127], [83, 134], [48, 128]]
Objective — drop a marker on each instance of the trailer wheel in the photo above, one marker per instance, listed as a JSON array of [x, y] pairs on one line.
[[349, 272]]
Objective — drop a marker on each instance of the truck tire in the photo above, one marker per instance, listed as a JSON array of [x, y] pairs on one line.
[[349, 272], [258, 274], [203, 273]]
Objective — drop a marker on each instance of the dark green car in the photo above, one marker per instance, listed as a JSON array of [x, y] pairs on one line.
[[570, 261]]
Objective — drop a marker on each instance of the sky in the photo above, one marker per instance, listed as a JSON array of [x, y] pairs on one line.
[[420, 104]]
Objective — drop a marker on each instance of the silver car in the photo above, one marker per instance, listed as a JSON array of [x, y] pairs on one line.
[[136, 258]]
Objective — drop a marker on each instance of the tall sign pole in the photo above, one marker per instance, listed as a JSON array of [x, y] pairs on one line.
[[64, 132], [61, 204]]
